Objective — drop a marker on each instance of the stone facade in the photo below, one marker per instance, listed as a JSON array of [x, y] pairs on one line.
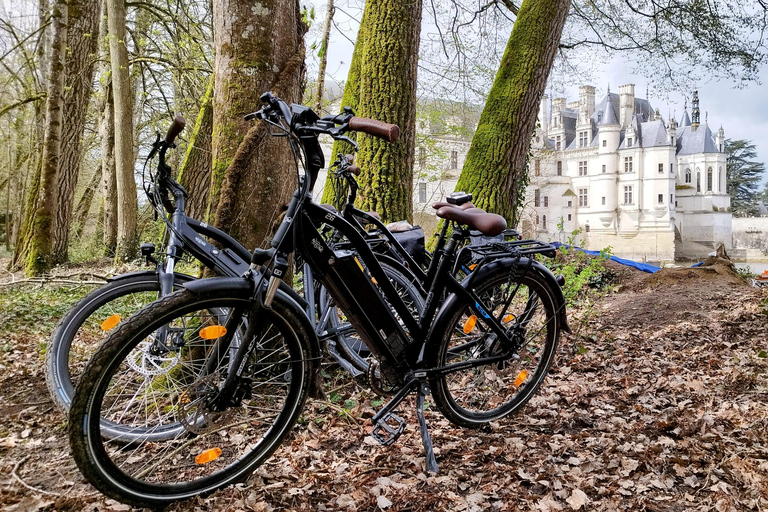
[[650, 190]]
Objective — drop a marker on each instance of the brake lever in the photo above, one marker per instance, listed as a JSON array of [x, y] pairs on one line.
[[344, 138]]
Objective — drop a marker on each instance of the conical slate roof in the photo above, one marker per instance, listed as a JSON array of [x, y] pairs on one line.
[[685, 121]]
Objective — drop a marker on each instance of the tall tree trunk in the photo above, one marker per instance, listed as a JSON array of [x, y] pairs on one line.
[[20, 191], [84, 204], [108, 210], [82, 42], [195, 173], [495, 167], [388, 93], [335, 188], [257, 49], [323, 54], [127, 203], [39, 259]]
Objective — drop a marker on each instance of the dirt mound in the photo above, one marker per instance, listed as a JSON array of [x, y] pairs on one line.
[[718, 276]]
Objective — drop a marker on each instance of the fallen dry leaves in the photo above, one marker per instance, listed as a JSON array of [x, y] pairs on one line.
[[660, 403]]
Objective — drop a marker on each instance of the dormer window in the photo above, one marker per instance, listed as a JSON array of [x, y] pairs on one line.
[[629, 142]]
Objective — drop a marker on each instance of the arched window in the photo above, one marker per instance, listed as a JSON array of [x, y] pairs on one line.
[[586, 228], [698, 180], [544, 221], [537, 220], [687, 175], [710, 176]]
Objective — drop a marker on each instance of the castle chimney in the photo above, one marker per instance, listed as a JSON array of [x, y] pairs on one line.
[[626, 104], [586, 102]]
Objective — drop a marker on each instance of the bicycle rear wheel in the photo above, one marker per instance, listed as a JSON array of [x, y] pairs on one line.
[[183, 448], [89, 322], [526, 308]]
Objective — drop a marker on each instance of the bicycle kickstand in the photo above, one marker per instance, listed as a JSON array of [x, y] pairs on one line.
[[429, 452]]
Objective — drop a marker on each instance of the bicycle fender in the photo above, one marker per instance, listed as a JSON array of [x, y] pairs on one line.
[[146, 273], [243, 288], [453, 302]]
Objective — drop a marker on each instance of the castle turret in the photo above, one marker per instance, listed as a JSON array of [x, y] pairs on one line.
[[626, 104], [695, 113], [720, 140], [672, 131]]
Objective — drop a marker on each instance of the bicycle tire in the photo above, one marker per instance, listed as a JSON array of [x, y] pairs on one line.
[[79, 332], [480, 394], [156, 473], [349, 345]]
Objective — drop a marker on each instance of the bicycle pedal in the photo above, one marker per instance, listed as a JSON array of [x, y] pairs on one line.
[[384, 432]]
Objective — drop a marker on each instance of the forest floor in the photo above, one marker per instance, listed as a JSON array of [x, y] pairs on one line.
[[657, 402]]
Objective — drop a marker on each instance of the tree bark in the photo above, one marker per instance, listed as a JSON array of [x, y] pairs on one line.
[[257, 49], [195, 173], [82, 39], [84, 204], [323, 54], [127, 203], [388, 93], [107, 137], [495, 167], [39, 259]]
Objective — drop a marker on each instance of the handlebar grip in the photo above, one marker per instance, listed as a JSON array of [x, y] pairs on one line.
[[354, 170], [176, 128], [386, 131]]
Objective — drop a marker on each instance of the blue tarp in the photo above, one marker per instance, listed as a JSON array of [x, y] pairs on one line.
[[645, 267]]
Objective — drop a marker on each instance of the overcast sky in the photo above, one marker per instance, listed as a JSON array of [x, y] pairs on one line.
[[743, 113]]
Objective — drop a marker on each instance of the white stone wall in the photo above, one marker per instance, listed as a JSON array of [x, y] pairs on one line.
[[750, 238]]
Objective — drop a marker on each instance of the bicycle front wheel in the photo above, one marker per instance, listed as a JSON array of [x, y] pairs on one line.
[[89, 322], [526, 309], [177, 445]]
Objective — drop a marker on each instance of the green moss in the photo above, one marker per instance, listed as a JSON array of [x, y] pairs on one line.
[[495, 167]]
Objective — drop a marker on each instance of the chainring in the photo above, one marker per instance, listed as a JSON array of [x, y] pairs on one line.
[[378, 382]]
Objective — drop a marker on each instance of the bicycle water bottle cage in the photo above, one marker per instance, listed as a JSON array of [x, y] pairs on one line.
[[387, 434], [458, 198]]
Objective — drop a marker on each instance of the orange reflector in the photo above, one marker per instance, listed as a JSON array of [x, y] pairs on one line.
[[470, 324], [472, 266], [212, 332], [208, 455], [110, 322], [521, 378], [508, 318]]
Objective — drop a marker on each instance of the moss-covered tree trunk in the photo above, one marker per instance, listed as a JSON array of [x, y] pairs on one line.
[[195, 172], [39, 258], [335, 189], [388, 69], [82, 39], [323, 54], [259, 47], [495, 167]]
